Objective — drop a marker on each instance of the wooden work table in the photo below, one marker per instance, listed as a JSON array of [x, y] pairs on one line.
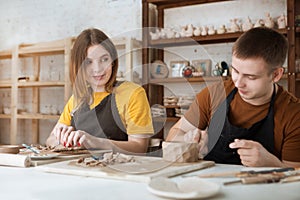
[[33, 183]]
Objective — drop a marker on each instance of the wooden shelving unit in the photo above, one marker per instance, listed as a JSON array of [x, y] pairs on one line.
[[129, 45], [5, 54], [34, 52], [153, 49], [293, 9]]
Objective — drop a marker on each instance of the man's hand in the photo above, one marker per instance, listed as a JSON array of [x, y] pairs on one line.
[[253, 154], [200, 137]]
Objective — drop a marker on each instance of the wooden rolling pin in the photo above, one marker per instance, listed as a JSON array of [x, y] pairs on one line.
[[14, 160]]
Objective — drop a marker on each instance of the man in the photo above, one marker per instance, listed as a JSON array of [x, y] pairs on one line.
[[251, 119]]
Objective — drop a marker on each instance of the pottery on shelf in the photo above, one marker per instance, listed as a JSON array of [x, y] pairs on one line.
[[197, 31], [211, 30], [187, 71], [234, 27], [177, 35], [259, 23], [170, 33], [154, 35], [269, 21], [189, 30], [247, 25], [281, 21], [221, 29], [204, 30], [162, 33]]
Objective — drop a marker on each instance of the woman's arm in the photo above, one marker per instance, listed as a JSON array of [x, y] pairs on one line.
[[135, 144]]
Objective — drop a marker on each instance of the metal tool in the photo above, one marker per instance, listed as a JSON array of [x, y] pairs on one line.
[[98, 154], [31, 149]]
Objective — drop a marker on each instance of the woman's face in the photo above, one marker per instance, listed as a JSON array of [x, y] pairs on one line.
[[98, 64]]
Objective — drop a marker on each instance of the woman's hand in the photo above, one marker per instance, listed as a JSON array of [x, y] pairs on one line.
[[60, 131], [57, 133], [75, 138], [67, 136]]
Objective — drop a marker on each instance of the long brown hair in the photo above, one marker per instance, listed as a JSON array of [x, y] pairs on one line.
[[81, 90]]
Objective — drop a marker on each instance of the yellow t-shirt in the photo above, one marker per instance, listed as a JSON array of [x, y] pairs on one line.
[[132, 105]]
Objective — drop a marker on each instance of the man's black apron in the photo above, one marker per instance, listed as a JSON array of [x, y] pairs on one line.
[[262, 132], [102, 121]]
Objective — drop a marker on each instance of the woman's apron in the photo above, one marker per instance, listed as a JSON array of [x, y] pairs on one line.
[[103, 121]]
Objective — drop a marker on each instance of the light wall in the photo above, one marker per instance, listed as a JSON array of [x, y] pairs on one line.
[[27, 21]]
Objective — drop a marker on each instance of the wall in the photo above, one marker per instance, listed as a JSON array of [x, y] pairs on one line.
[[30, 21], [35, 21]]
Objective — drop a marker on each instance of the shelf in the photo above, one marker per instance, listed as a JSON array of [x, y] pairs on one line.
[[174, 106], [165, 4], [209, 39], [193, 79], [34, 52], [43, 48], [297, 76], [201, 79], [286, 76], [173, 119], [5, 116], [37, 116], [164, 119], [6, 54], [5, 83], [41, 84], [122, 42]]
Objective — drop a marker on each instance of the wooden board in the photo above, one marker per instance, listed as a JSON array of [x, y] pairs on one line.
[[143, 170], [59, 158], [62, 156]]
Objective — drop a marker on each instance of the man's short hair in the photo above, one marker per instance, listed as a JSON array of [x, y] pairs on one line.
[[262, 42]]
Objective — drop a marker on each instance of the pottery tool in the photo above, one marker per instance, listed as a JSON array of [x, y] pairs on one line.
[[31, 149], [246, 173], [14, 160], [272, 177], [290, 179]]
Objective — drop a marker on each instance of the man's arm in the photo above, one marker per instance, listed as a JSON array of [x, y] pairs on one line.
[[185, 131], [179, 129]]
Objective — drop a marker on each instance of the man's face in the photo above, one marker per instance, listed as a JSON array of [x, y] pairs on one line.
[[252, 79]]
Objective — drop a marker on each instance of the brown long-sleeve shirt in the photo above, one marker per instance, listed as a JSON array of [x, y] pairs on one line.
[[243, 114]]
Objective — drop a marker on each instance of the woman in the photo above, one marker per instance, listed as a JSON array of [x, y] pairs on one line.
[[102, 113]]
